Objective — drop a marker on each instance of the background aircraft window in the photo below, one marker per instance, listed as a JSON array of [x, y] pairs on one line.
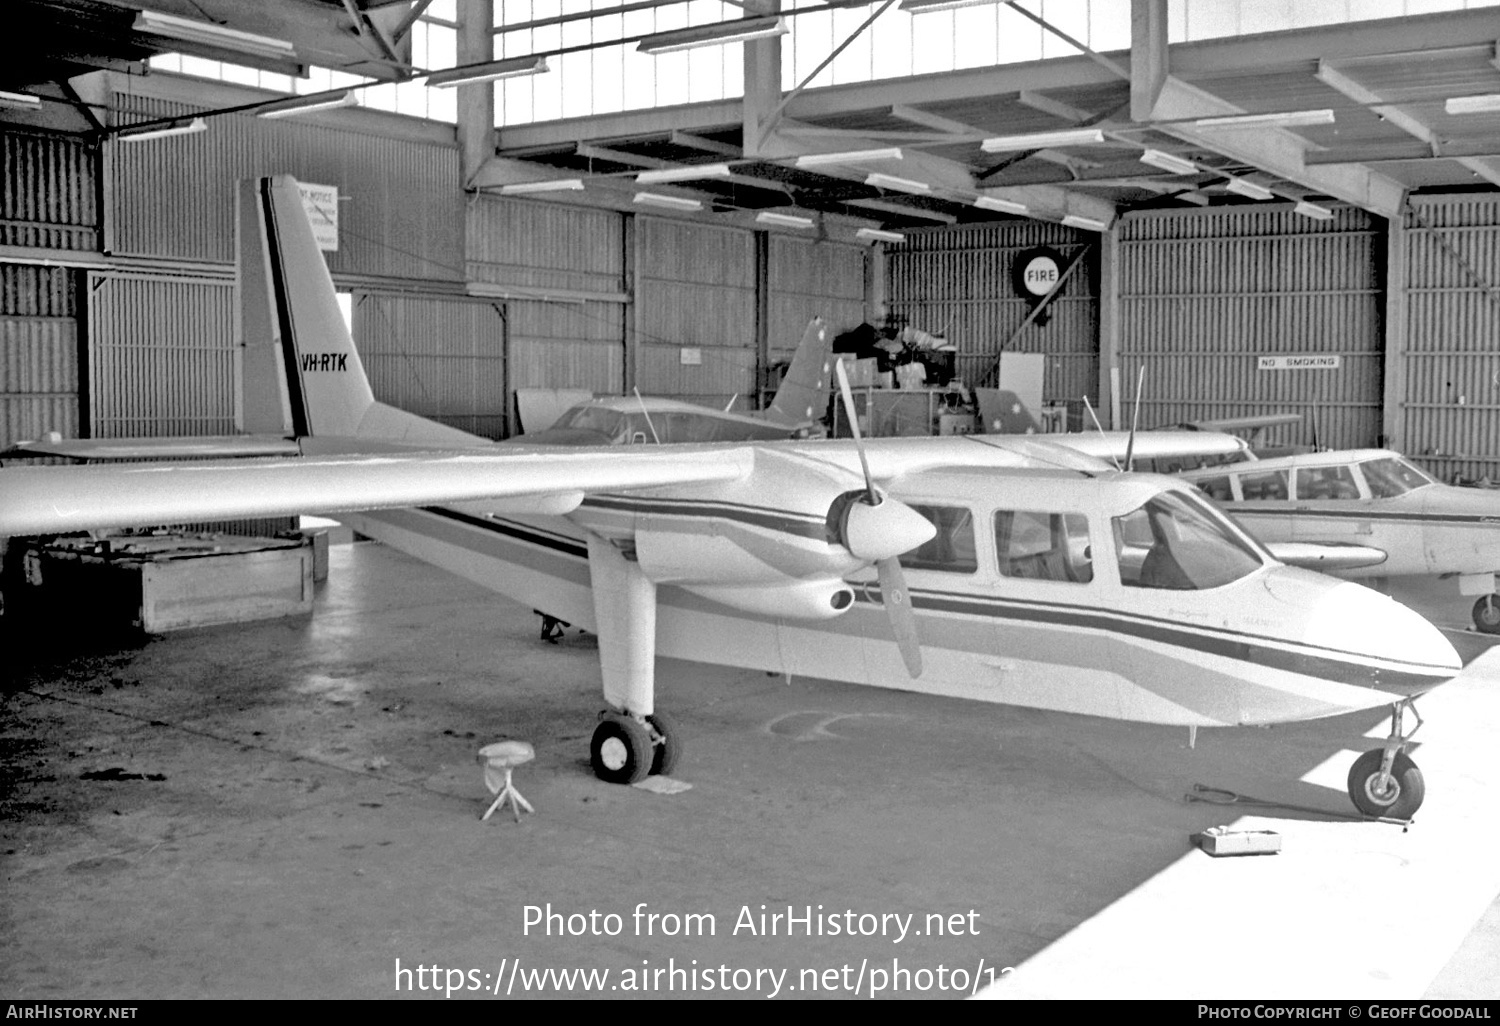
[[1262, 485], [952, 548], [638, 431], [1188, 545], [1326, 483], [1389, 477], [1044, 546], [1215, 488], [607, 422]]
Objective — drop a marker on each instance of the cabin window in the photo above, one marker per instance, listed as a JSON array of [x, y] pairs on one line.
[[1044, 546], [1178, 542], [952, 549], [1263, 485], [1326, 483], [1216, 488], [1389, 477], [607, 422]]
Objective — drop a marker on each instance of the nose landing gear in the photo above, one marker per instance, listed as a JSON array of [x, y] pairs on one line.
[[626, 750], [1384, 782]]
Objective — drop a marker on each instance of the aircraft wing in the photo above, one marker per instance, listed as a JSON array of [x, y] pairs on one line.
[[1150, 445], [50, 500], [202, 448], [1326, 556]]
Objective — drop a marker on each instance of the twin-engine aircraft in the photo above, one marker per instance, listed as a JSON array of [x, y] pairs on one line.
[[1365, 513], [998, 569]]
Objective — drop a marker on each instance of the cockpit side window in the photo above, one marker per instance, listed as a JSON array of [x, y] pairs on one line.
[[1178, 542], [1389, 477], [593, 418], [1044, 546], [1261, 485], [1216, 488], [1326, 483], [952, 549]]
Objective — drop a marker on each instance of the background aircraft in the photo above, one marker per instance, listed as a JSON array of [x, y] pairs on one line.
[[1038, 576], [1364, 513]]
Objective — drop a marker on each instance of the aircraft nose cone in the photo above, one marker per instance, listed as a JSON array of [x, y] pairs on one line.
[[1352, 618], [873, 533]]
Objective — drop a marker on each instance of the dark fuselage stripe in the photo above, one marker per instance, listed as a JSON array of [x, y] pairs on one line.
[[1304, 513], [1242, 647], [804, 527]]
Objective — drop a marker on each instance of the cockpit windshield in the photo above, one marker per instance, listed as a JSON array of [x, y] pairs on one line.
[[593, 418], [1178, 541], [1390, 476]]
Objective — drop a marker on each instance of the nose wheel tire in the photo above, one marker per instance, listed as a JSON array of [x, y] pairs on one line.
[[669, 750], [1398, 797], [621, 751], [1487, 614]]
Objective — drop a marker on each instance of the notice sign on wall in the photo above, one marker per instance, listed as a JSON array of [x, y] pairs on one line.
[[1272, 363], [321, 202]]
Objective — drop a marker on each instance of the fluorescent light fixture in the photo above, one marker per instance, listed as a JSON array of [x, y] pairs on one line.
[[182, 126], [786, 220], [928, 6], [1286, 119], [879, 235], [1086, 223], [1169, 162], [848, 157], [881, 181], [1472, 104], [1314, 211], [549, 185], [675, 202], [206, 33], [1004, 206], [1042, 140], [717, 34], [1248, 189], [511, 67], [19, 100], [308, 104], [683, 174]]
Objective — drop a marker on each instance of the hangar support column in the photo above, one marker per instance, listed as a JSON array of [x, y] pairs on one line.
[[1392, 405], [476, 103]]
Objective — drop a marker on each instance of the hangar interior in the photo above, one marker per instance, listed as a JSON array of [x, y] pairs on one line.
[[524, 198]]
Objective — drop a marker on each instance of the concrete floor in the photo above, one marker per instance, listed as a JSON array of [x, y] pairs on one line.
[[291, 809]]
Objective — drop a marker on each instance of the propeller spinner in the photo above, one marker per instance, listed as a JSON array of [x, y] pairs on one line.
[[879, 530]]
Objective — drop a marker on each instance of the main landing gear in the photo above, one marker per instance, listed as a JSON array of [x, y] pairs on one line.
[[1384, 782], [626, 750], [1487, 614]]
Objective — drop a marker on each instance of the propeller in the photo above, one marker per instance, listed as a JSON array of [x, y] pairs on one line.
[[872, 529]]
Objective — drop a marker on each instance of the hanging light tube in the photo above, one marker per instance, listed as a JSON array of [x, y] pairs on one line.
[[879, 235], [308, 105], [1042, 140], [786, 220], [206, 33], [1169, 162], [881, 181], [547, 185], [182, 126], [1004, 206], [717, 34], [511, 67], [662, 200], [682, 174]]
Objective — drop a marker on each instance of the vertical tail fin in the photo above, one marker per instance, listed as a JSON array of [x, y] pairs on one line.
[[300, 372], [803, 395]]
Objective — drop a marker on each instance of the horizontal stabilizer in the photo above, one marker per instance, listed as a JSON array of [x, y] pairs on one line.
[[1328, 557]]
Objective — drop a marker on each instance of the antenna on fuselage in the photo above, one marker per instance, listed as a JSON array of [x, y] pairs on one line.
[[1099, 427], [1135, 420], [647, 414]]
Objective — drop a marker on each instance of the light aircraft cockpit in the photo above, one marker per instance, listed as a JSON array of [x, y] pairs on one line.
[[1303, 478]]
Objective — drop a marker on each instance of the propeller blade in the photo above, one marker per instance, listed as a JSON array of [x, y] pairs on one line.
[[859, 443], [897, 601]]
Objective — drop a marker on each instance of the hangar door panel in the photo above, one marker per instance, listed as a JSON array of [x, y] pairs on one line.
[[1205, 294], [439, 358], [38, 353], [695, 311], [161, 356]]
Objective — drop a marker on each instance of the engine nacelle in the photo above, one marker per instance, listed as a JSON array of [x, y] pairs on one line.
[[795, 600]]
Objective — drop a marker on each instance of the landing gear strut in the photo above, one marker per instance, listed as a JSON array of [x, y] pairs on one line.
[[626, 750], [1384, 782]]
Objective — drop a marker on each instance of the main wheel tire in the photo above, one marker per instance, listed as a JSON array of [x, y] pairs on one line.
[[1487, 614], [665, 755], [621, 751], [1402, 796]]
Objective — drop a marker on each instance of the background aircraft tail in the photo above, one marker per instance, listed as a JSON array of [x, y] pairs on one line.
[[803, 395], [300, 373]]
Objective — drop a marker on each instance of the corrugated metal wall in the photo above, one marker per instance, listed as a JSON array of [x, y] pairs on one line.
[[957, 283], [438, 358], [696, 290], [174, 198], [38, 352], [1449, 413], [812, 279], [1205, 292], [48, 190], [161, 355], [570, 341]]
